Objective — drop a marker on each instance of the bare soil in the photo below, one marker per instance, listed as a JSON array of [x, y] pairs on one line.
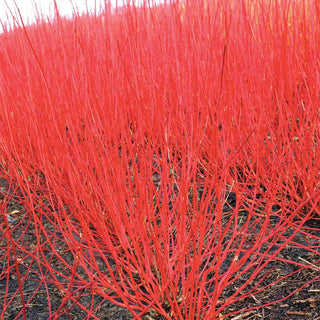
[[304, 304]]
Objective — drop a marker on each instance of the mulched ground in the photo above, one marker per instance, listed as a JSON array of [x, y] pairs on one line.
[[303, 305]]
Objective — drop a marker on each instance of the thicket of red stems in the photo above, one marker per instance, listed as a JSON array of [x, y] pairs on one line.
[[136, 124]]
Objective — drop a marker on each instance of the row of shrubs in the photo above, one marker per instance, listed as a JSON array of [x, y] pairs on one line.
[[173, 148]]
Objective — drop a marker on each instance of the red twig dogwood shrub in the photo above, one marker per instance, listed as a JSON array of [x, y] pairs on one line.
[[124, 135]]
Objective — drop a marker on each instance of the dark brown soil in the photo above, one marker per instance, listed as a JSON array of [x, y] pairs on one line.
[[304, 304]]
